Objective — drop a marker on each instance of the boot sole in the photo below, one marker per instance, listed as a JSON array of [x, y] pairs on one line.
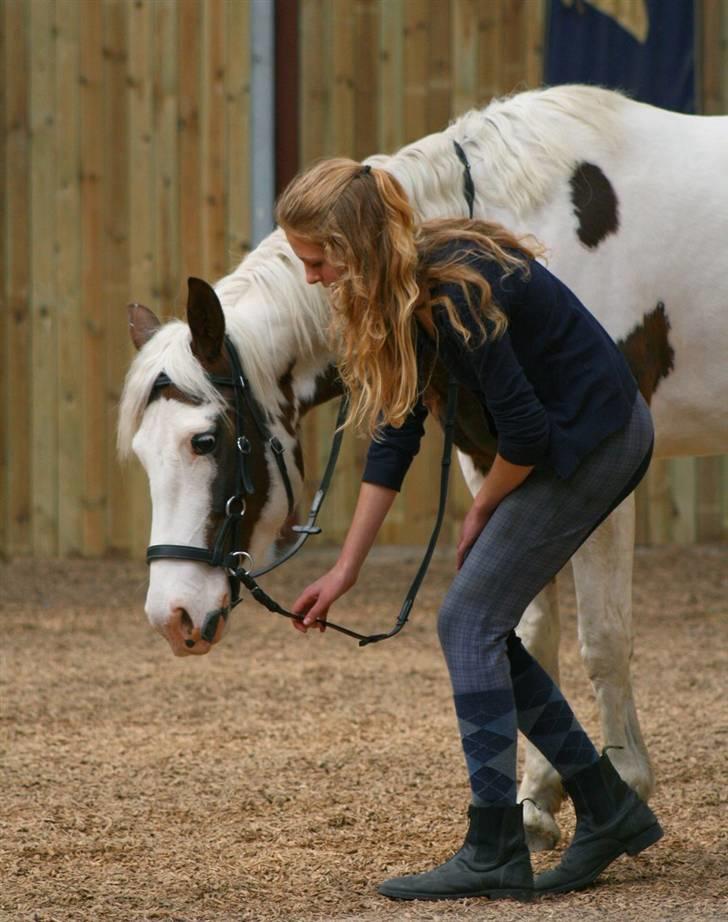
[[524, 896], [635, 845]]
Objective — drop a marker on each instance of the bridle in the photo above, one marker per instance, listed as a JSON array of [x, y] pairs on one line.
[[228, 533], [225, 551]]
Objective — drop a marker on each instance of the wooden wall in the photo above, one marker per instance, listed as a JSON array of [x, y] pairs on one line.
[[125, 169], [376, 75]]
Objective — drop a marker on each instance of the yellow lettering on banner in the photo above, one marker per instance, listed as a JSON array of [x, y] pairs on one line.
[[632, 15]]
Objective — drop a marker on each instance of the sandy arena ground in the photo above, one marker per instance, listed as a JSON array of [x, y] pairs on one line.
[[281, 777]]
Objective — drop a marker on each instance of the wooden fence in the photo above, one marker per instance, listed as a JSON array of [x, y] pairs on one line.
[[125, 169]]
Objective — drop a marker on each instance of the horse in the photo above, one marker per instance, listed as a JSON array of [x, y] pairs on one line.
[[628, 201]]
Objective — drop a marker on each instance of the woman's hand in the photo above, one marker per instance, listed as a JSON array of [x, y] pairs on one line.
[[474, 522], [315, 600]]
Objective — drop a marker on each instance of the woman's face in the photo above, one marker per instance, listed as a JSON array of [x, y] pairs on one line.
[[314, 260]]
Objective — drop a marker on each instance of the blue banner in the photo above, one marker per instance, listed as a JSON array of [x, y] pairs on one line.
[[646, 47]]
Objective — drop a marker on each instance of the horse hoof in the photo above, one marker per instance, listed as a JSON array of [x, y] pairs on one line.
[[542, 833]]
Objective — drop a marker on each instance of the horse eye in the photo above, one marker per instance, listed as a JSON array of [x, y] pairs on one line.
[[204, 443]]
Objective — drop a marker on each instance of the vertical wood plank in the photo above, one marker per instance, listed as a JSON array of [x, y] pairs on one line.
[[141, 219], [314, 81], [513, 60], [683, 485], [660, 507], [534, 38], [93, 459], [710, 62], [68, 278], [190, 43], [212, 210], [490, 50], [5, 319], [366, 27], [16, 211], [116, 259], [391, 35], [709, 500], [416, 47], [170, 285], [465, 54], [44, 381], [439, 92], [238, 129], [343, 100]]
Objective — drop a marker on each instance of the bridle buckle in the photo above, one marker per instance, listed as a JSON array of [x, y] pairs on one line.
[[241, 554], [230, 513]]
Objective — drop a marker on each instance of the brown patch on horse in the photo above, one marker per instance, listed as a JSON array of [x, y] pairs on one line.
[[648, 350], [289, 414], [328, 386], [595, 204]]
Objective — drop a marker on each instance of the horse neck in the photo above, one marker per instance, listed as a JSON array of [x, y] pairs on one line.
[[278, 322]]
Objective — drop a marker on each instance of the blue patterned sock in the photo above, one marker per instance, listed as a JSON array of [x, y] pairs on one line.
[[488, 730], [544, 715]]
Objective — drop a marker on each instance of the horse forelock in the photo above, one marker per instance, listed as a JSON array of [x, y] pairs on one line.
[[168, 351]]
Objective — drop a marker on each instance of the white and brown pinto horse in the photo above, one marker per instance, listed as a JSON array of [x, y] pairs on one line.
[[631, 202]]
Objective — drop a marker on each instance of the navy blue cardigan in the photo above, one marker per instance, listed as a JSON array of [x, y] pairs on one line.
[[553, 386]]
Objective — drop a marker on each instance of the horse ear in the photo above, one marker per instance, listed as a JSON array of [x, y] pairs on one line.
[[143, 324], [206, 320]]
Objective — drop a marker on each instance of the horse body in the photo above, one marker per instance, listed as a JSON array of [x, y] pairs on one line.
[[627, 201]]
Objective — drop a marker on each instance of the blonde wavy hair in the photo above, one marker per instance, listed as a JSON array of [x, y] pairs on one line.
[[387, 263]]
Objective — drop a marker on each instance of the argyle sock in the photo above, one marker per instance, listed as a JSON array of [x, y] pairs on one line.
[[544, 715], [488, 730]]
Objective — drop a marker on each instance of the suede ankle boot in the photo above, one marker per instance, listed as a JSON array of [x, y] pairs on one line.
[[493, 862], [611, 820]]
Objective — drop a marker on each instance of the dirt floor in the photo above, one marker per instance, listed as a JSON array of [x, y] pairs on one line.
[[281, 777]]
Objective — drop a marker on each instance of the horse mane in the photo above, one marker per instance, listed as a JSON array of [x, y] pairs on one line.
[[272, 316], [519, 148]]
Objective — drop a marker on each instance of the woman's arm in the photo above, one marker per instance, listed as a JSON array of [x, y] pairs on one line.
[[502, 479], [372, 506]]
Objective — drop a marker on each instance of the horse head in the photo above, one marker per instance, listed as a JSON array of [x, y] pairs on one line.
[[211, 485]]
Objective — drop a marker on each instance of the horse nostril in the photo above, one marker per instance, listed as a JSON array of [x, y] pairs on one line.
[[186, 626]]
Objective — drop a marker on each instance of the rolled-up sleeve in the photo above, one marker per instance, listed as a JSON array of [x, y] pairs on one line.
[[389, 457]]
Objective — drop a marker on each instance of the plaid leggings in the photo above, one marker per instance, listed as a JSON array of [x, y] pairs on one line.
[[528, 539]]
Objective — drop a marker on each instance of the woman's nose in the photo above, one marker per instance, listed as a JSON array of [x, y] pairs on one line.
[[312, 276]]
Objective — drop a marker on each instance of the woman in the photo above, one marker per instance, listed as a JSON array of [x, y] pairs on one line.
[[574, 438]]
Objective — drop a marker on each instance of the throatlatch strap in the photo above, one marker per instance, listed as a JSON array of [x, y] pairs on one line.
[[468, 184]]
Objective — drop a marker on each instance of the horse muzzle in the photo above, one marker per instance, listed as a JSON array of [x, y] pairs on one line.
[[186, 639]]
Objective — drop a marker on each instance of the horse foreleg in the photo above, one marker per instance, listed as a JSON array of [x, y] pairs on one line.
[[603, 580], [541, 790]]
